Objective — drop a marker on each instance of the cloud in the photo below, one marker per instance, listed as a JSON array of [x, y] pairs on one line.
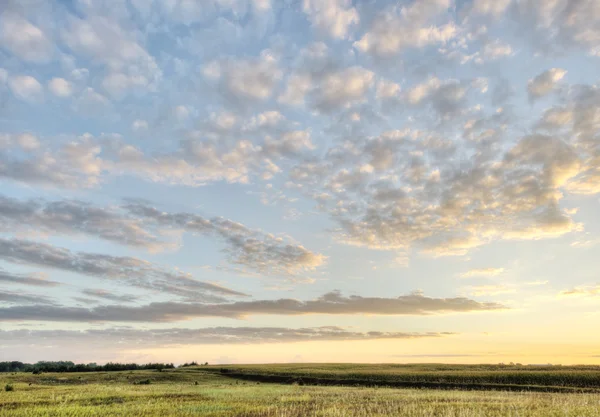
[[36, 280], [556, 118], [319, 82], [77, 217], [74, 164], [127, 338], [26, 88], [446, 98], [332, 303], [8, 297], [23, 39], [83, 161], [496, 49], [261, 252], [60, 87], [333, 17], [246, 78], [399, 28], [494, 8], [139, 125], [482, 272], [342, 88], [127, 270], [137, 224], [561, 25], [128, 66], [108, 296], [544, 83], [416, 188], [90, 102], [589, 291], [585, 243]]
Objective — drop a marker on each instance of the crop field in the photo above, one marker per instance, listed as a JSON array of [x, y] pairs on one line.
[[236, 391], [540, 378]]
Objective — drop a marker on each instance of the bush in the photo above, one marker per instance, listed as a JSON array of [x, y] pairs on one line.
[[9, 387]]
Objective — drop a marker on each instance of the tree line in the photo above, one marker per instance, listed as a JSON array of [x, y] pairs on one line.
[[68, 366]]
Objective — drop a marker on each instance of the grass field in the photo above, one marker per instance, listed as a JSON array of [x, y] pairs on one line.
[[207, 391]]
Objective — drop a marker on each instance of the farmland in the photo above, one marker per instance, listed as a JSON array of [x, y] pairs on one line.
[[236, 391]]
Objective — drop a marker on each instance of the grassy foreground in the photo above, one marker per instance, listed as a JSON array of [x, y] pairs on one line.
[[206, 391]]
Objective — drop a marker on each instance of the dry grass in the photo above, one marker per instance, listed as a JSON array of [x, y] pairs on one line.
[[175, 393]]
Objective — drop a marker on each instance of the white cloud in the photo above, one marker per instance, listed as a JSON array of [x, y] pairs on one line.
[[26, 88], [246, 78], [23, 39], [128, 65], [387, 89], [323, 86], [399, 28], [60, 87], [73, 164], [297, 87], [333, 17], [139, 125], [340, 89]]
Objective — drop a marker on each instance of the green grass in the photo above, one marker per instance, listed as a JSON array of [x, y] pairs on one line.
[[175, 393], [584, 377]]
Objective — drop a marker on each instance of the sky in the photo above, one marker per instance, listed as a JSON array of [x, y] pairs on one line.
[[246, 181]]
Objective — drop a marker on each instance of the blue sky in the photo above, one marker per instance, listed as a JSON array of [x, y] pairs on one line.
[[300, 178]]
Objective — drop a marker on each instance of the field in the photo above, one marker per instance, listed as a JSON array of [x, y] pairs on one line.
[[344, 390]]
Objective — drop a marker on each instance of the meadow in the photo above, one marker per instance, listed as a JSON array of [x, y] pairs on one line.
[[235, 391]]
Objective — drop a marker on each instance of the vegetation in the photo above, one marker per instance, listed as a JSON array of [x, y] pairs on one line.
[[505, 377], [67, 366], [204, 390]]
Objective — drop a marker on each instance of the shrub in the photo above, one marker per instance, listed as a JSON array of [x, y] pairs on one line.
[[9, 387]]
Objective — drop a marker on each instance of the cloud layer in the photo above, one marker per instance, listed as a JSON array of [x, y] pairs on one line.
[[138, 224], [180, 336], [325, 138], [332, 303], [126, 270]]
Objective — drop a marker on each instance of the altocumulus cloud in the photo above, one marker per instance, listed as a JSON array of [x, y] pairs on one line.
[[332, 303], [398, 153], [127, 270], [138, 224]]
